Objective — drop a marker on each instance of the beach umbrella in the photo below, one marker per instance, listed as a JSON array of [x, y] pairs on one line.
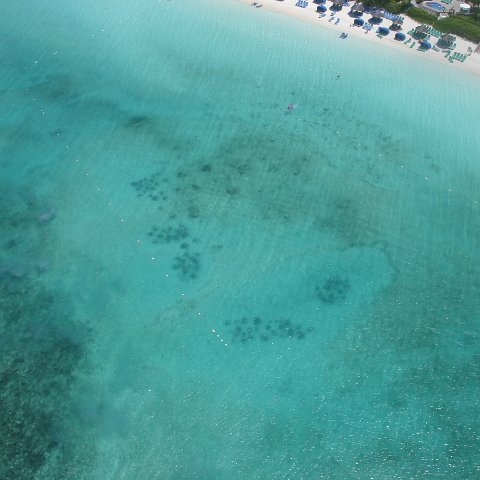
[[426, 45], [359, 22], [383, 30], [447, 38], [321, 9], [377, 16], [422, 30], [319, 1], [400, 36], [357, 10], [337, 5], [396, 24]]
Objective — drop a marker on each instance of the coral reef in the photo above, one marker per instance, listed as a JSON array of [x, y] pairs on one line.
[[168, 234], [187, 265], [256, 328], [334, 290], [40, 350], [149, 186]]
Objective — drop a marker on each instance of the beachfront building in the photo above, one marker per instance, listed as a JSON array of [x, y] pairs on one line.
[[434, 8]]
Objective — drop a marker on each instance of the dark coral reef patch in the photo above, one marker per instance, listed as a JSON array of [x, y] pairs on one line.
[[247, 329], [334, 290], [40, 350]]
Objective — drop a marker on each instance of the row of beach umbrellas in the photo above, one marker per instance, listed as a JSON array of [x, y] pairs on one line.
[[378, 15], [358, 10]]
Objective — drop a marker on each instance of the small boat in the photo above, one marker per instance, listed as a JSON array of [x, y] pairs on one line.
[[291, 106]]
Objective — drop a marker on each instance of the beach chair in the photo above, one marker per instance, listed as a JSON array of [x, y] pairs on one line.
[[413, 44]]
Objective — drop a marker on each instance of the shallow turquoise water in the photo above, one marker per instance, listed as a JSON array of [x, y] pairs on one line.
[[197, 283]]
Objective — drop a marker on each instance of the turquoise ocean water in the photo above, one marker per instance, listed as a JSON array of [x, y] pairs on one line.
[[199, 284]]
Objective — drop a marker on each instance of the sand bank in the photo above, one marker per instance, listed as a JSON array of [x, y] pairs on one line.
[[309, 14]]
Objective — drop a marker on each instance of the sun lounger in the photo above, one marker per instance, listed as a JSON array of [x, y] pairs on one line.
[[302, 4]]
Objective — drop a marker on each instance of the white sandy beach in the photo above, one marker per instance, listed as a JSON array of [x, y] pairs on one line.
[[309, 14]]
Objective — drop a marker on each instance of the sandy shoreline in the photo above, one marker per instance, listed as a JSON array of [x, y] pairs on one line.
[[309, 14]]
